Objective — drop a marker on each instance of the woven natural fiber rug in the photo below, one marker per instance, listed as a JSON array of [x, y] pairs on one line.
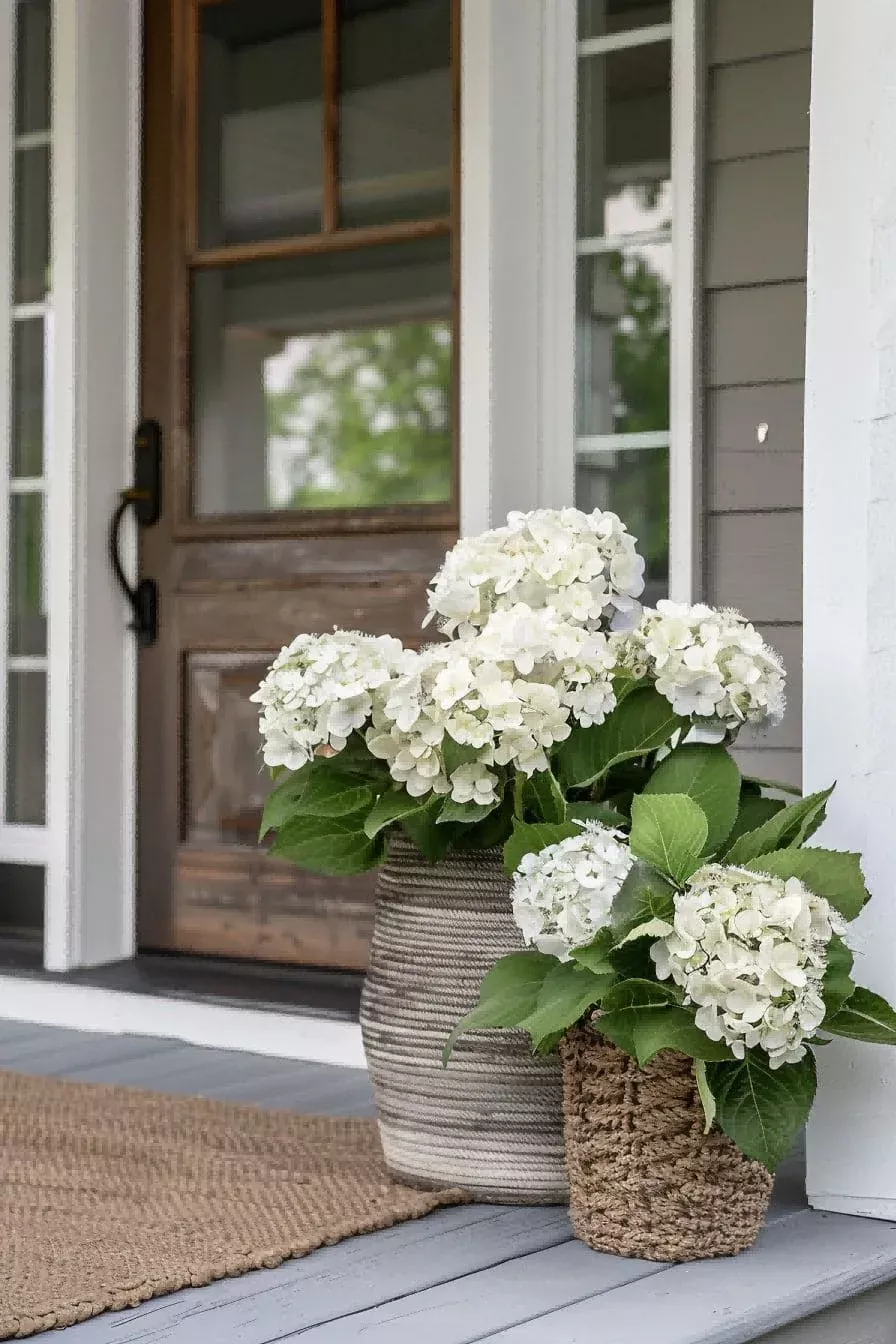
[[110, 1196]]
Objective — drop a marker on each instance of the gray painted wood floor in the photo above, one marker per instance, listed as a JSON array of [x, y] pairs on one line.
[[477, 1273]]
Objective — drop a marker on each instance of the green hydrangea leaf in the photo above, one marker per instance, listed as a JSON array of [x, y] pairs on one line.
[[330, 792], [760, 1108], [284, 801], [395, 805], [838, 985], [566, 993], [543, 796], [644, 895], [643, 722], [595, 955], [790, 827], [828, 872], [671, 1027], [864, 1017], [507, 995], [336, 846], [754, 811], [422, 829], [625, 1004], [669, 830], [709, 776]]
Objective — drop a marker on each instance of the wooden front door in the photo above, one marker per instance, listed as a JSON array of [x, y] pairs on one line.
[[299, 353]]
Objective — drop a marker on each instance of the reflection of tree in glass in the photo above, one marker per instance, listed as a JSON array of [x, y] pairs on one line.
[[640, 482], [371, 410]]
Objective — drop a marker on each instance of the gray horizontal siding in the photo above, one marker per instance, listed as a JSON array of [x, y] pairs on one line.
[[756, 335], [757, 210], [759, 106], [754, 315], [744, 29]]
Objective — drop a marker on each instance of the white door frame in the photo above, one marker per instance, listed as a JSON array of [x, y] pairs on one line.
[[518, 246]]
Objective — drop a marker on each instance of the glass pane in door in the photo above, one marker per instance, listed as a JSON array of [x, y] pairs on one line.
[[324, 382], [260, 120], [395, 110]]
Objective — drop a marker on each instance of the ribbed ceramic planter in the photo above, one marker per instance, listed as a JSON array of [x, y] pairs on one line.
[[492, 1120], [644, 1179]]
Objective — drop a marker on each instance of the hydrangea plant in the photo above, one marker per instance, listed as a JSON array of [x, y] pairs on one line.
[[712, 928], [552, 695]]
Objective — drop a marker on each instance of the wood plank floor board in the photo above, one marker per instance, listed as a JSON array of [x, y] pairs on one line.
[[802, 1263], [338, 1281], [473, 1307]]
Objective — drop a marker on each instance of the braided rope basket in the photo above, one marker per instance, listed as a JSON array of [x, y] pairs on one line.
[[492, 1120], [644, 1179]]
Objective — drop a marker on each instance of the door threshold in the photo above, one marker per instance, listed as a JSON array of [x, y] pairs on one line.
[[279, 1011]]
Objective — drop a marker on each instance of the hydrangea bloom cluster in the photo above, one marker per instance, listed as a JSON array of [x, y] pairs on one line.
[[583, 565], [708, 663], [319, 689], [505, 696], [750, 951], [562, 895]]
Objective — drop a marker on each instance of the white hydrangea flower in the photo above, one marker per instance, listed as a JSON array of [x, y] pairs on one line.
[[562, 895], [708, 663], [583, 565], [750, 950], [319, 689], [506, 695]]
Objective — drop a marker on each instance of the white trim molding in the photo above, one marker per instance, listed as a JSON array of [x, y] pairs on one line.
[[849, 550], [685, 371], [517, 257], [256, 1030], [89, 910]]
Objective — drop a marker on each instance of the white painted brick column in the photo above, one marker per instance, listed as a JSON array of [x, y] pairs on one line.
[[849, 720]]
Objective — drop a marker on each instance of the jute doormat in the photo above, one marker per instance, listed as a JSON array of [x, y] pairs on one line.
[[110, 1196]]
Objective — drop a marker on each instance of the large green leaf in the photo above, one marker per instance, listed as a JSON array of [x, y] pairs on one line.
[[330, 792], [566, 993], [626, 1003], [669, 830], [643, 722], [395, 805], [709, 776], [456, 754], [432, 840], [644, 895], [543, 795], [754, 811], [760, 1108], [284, 801], [672, 1028], [531, 839], [507, 995], [828, 872], [595, 955], [601, 812], [838, 985], [336, 846], [865, 1017], [792, 826]]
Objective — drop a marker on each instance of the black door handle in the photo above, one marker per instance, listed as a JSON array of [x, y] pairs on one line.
[[146, 497]]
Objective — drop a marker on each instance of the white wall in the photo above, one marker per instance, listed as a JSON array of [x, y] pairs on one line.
[[849, 725]]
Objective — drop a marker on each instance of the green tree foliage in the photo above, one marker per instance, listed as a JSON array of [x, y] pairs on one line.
[[373, 409]]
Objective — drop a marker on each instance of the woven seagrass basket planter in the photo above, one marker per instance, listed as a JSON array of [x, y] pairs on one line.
[[492, 1120], [645, 1181]]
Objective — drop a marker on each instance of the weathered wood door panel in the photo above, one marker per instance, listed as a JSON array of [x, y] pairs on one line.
[[299, 352]]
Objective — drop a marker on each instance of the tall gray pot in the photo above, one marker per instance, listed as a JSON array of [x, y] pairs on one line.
[[492, 1120]]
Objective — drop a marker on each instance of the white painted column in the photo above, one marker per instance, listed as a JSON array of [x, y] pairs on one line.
[[96, 90], [849, 722], [517, 284]]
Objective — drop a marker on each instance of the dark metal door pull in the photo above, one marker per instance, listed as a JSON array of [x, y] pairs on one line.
[[146, 497]]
